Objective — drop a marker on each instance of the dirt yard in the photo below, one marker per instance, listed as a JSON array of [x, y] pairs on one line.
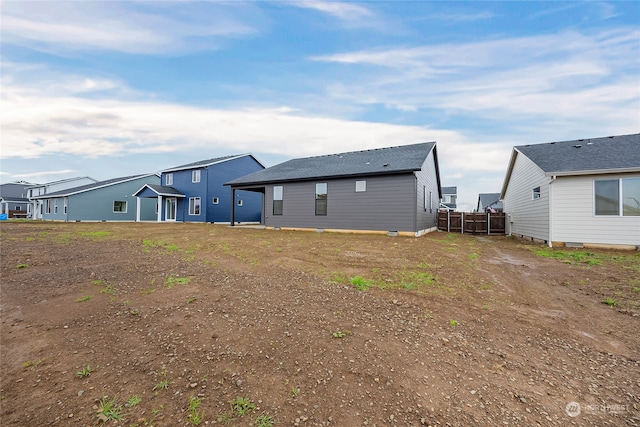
[[186, 324]]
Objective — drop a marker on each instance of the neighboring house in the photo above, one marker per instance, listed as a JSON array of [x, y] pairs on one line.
[[14, 201], [196, 192], [395, 189], [488, 202], [52, 187], [449, 198], [109, 200], [582, 192]]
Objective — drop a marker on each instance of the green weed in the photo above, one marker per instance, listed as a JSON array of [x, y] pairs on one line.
[[265, 420], [172, 281], [32, 363], [194, 416], [361, 283], [133, 401], [340, 334], [22, 266], [84, 298], [609, 301], [242, 405], [84, 372], [453, 322], [570, 257], [109, 410], [108, 290], [191, 300]]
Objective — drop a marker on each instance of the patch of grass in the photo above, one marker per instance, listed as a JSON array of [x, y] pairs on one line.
[[30, 239], [84, 372], [191, 300], [22, 266], [97, 282], [194, 416], [225, 419], [109, 409], [361, 283], [94, 235], [172, 281], [32, 363], [84, 298], [242, 405], [108, 290], [162, 384], [570, 257], [339, 277], [265, 420], [295, 391], [147, 291], [473, 256], [609, 301], [133, 401], [340, 334], [453, 322]]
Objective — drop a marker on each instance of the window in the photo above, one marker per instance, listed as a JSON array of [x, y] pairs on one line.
[[535, 193], [321, 198], [239, 202], [168, 179], [48, 206], [55, 206], [216, 200], [361, 186], [617, 197], [195, 176], [66, 201], [18, 208], [194, 205], [119, 206], [427, 199], [277, 200]]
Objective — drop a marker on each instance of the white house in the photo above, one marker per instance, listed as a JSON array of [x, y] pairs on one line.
[[584, 192]]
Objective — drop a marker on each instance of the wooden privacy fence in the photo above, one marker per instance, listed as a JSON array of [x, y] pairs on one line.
[[472, 222]]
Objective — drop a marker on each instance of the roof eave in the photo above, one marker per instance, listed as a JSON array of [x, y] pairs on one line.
[[592, 172]]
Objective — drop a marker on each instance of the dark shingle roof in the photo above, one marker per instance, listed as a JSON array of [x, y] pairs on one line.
[[14, 192], [390, 160], [450, 190], [583, 155], [88, 187], [160, 190], [487, 199]]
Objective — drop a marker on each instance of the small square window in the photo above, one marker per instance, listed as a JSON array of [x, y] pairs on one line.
[[240, 202], [216, 200], [535, 194], [120, 206]]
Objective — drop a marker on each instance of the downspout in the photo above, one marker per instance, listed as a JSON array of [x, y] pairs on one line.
[[549, 205]]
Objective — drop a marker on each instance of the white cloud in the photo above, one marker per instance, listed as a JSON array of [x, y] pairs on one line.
[[569, 78], [131, 27], [341, 10]]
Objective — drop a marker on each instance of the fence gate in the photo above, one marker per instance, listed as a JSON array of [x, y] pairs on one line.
[[472, 222]]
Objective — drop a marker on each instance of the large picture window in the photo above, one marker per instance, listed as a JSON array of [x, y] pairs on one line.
[[617, 197], [120, 206], [321, 198], [194, 205], [277, 199]]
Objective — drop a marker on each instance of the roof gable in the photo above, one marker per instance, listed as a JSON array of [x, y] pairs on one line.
[[208, 162], [390, 160]]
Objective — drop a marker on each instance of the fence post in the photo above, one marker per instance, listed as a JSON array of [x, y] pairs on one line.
[[448, 221], [488, 223], [462, 224]]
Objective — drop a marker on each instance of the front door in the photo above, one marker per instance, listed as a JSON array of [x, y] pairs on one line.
[[170, 209]]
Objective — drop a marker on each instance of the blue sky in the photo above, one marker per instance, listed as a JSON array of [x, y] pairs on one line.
[[109, 89]]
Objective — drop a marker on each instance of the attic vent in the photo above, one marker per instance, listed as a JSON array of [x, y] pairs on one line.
[[385, 165], [589, 143], [577, 145]]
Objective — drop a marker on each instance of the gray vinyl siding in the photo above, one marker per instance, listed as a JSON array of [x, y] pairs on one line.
[[427, 181], [528, 217], [573, 219], [388, 204]]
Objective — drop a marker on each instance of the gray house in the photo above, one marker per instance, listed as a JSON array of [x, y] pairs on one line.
[[449, 199], [488, 202], [110, 200], [584, 192], [14, 201], [390, 190]]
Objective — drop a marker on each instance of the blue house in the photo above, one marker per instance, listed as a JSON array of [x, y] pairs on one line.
[[108, 200], [195, 192]]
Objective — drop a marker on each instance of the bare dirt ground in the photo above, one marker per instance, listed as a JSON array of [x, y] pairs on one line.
[[312, 329]]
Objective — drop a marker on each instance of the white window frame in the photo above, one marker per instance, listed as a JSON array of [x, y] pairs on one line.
[[55, 206], [361, 186], [195, 206], [278, 196], [536, 193], [65, 202], [239, 202], [168, 179], [195, 175], [216, 200], [621, 197], [124, 203]]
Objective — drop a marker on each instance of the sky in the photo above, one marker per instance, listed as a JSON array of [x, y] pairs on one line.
[[118, 88]]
